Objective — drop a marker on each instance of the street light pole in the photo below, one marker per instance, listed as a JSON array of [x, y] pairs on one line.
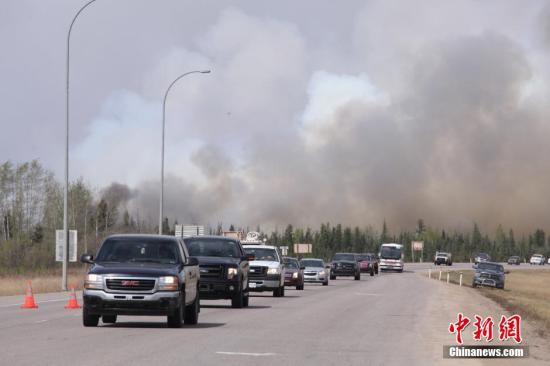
[[66, 188], [161, 214]]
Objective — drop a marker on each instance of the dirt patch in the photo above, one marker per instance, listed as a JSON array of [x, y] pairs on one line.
[[41, 282]]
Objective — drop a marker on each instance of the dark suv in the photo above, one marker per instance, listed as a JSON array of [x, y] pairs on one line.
[[223, 267], [141, 275], [345, 264]]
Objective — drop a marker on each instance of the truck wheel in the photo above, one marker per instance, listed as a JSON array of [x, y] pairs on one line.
[[325, 283], [246, 297], [372, 272], [237, 301], [89, 320], [175, 320], [300, 287], [357, 277], [277, 292], [474, 284], [191, 316], [376, 270], [108, 319], [332, 277]]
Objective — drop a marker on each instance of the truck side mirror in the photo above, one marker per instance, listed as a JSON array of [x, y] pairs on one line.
[[87, 258]]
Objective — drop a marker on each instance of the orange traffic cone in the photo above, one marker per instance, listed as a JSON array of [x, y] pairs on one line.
[[29, 299], [73, 303]]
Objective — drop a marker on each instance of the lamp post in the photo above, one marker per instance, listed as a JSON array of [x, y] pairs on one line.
[[66, 188], [161, 214]]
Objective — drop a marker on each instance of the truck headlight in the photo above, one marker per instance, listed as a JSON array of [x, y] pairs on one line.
[[168, 283], [295, 275], [231, 272], [273, 271], [94, 282]]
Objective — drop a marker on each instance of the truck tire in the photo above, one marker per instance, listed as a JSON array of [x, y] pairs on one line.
[[283, 291], [372, 272], [325, 283], [237, 301], [300, 287], [191, 315], [108, 319], [474, 284], [357, 277], [89, 320], [246, 298], [376, 270], [332, 277], [176, 319]]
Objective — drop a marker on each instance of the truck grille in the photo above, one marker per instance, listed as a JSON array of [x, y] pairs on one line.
[[130, 284], [257, 271], [211, 271], [489, 276]]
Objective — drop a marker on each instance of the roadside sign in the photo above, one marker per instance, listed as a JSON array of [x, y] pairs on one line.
[[418, 245], [284, 250], [193, 230], [178, 230], [303, 248], [59, 243]]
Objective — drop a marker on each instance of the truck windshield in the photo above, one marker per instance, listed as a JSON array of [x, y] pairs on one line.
[[212, 248], [142, 250], [312, 263], [343, 257], [390, 253], [263, 254], [491, 266]]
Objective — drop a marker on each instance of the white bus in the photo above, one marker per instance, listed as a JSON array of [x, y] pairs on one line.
[[391, 257]]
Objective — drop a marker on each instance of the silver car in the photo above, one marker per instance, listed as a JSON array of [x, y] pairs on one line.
[[315, 271]]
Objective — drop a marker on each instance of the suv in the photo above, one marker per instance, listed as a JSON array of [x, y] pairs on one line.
[[489, 274], [537, 259], [266, 271], [443, 258], [368, 263], [223, 268], [141, 275], [482, 257], [345, 264]]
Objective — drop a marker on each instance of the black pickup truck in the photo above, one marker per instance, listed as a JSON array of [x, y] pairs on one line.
[[345, 264], [141, 275], [223, 267]]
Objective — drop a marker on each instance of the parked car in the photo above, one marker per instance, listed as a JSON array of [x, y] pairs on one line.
[[443, 258], [345, 264], [266, 271], [489, 274], [223, 267], [368, 263], [315, 271], [514, 260], [294, 273], [141, 275], [537, 259], [482, 257]]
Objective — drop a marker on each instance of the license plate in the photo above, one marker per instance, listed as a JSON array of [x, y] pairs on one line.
[[252, 285]]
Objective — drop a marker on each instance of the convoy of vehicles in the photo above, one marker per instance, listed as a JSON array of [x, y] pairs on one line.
[[443, 258], [223, 268], [315, 271], [391, 257], [141, 275], [345, 265], [294, 273], [489, 274]]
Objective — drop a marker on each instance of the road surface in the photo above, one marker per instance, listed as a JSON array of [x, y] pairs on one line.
[[390, 319]]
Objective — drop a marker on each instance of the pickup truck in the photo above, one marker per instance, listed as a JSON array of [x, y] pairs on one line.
[[223, 266], [267, 270], [141, 275], [443, 258]]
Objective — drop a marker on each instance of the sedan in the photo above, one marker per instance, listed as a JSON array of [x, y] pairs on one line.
[[294, 273], [315, 271]]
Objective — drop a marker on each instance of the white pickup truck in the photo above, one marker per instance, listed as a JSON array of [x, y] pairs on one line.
[[266, 271]]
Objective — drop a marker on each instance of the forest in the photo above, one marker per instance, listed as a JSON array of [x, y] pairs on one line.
[[31, 209]]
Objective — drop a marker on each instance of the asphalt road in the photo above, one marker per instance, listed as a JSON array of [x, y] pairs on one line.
[[391, 319]]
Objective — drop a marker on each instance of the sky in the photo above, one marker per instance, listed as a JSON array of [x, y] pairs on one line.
[[314, 111]]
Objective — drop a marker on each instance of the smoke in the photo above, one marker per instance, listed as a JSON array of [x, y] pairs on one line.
[[440, 116]]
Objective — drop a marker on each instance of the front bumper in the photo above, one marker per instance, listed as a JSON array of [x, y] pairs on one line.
[[218, 289], [316, 278], [440, 261], [259, 285], [391, 266], [484, 281], [99, 302], [343, 272], [290, 281]]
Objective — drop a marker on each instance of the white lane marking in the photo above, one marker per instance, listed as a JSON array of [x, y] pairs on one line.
[[366, 294], [246, 354], [41, 321], [38, 302]]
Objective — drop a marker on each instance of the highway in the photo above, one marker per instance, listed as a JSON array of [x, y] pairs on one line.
[[390, 319]]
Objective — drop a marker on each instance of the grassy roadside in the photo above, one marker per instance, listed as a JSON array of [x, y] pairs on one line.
[[41, 282], [526, 292]]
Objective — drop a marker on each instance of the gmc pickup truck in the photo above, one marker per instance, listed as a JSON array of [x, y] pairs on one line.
[[141, 275]]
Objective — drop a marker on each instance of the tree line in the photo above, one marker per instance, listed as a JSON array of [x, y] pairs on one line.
[[31, 209]]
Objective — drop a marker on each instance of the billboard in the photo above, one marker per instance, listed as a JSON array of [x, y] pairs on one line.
[[303, 248]]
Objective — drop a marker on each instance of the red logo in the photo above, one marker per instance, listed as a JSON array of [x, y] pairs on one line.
[[130, 283], [508, 328], [459, 326]]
